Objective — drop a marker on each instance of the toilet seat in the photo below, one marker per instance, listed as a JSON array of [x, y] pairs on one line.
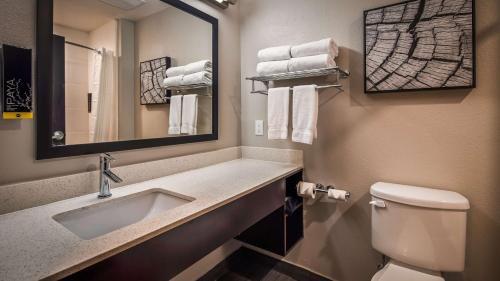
[[395, 271]]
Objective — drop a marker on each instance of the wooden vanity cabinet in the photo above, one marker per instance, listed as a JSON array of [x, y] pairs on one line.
[[259, 218], [282, 229]]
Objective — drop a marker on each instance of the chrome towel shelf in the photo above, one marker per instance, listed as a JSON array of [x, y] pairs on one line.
[[188, 87], [185, 88], [200, 95], [323, 72]]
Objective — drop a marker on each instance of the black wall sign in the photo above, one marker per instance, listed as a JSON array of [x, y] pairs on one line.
[[16, 83]]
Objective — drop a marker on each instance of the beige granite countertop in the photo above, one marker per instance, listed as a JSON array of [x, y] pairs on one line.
[[33, 246]]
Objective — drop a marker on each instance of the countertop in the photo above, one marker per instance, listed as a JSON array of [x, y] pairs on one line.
[[33, 246]]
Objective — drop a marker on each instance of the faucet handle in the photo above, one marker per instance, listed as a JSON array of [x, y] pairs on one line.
[[107, 156]]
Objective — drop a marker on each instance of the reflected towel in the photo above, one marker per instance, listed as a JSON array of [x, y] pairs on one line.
[[324, 46], [175, 71], [274, 53], [272, 67], [277, 113], [305, 113], [199, 66], [202, 77], [311, 62], [174, 118], [189, 114], [172, 81]]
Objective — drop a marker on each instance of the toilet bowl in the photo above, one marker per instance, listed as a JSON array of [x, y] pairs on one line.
[[421, 230], [394, 271]]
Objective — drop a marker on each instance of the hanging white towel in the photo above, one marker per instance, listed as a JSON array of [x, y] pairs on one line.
[[172, 81], [305, 113], [175, 71], [324, 46], [202, 77], [274, 53], [312, 62], [272, 67], [174, 118], [277, 113], [189, 114], [198, 66]]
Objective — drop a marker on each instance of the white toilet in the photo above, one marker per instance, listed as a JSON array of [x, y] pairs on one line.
[[421, 229]]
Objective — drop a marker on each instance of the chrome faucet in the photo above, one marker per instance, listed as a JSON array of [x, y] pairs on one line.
[[105, 175]]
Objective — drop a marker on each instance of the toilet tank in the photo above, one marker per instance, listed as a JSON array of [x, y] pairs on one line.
[[419, 226]]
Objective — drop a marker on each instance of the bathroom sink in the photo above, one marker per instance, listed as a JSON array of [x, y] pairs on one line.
[[92, 221]]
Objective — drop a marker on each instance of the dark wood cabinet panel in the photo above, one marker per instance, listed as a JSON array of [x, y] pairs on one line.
[[268, 233], [282, 229]]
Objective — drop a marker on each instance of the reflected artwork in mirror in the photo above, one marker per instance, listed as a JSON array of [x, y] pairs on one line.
[[124, 75]]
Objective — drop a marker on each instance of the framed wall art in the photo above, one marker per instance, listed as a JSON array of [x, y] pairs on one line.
[[152, 75], [419, 45]]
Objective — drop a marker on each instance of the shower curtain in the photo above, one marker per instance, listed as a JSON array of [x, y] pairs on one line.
[[106, 115]]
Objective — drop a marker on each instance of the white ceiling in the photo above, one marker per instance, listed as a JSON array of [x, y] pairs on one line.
[[87, 15]]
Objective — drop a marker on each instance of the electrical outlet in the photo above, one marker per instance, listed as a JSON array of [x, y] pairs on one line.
[[259, 127]]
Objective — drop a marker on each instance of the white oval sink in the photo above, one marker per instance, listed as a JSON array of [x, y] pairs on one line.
[[96, 220]]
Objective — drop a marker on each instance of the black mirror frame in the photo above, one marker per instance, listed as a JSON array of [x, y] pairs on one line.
[[44, 147]]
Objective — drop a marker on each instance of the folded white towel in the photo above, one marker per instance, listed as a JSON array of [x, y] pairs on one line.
[[272, 67], [172, 81], [189, 114], [175, 71], [277, 113], [275, 53], [202, 77], [324, 46], [311, 62], [174, 117], [305, 113], [198, 66]]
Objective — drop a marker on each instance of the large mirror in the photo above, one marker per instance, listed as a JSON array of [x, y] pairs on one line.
[[124, 74]]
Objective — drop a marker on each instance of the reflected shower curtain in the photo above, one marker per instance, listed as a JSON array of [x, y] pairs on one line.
[[106, 124], [95, 61]]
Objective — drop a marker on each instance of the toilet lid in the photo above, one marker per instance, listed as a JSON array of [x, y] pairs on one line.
[[394, 271]]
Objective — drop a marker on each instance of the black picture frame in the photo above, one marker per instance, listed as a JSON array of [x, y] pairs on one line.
[[44, 147], [474, 61]]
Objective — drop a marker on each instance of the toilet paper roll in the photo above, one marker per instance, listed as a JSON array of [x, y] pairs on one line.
[[337, 194], [306, 189]]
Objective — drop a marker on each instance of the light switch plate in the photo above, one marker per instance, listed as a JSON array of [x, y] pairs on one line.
[[259, 127]]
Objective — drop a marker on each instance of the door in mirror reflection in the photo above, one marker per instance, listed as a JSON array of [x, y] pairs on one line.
[[128, 70]]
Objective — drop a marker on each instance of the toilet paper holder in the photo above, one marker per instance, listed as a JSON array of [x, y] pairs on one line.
[[324, 189]]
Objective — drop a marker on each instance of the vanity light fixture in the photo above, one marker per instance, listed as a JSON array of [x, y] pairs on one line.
[[221, 3]]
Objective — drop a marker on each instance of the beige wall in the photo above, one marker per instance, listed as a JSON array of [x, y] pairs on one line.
[[447, 139], [184, 38], [106, 36], [17, 138]]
